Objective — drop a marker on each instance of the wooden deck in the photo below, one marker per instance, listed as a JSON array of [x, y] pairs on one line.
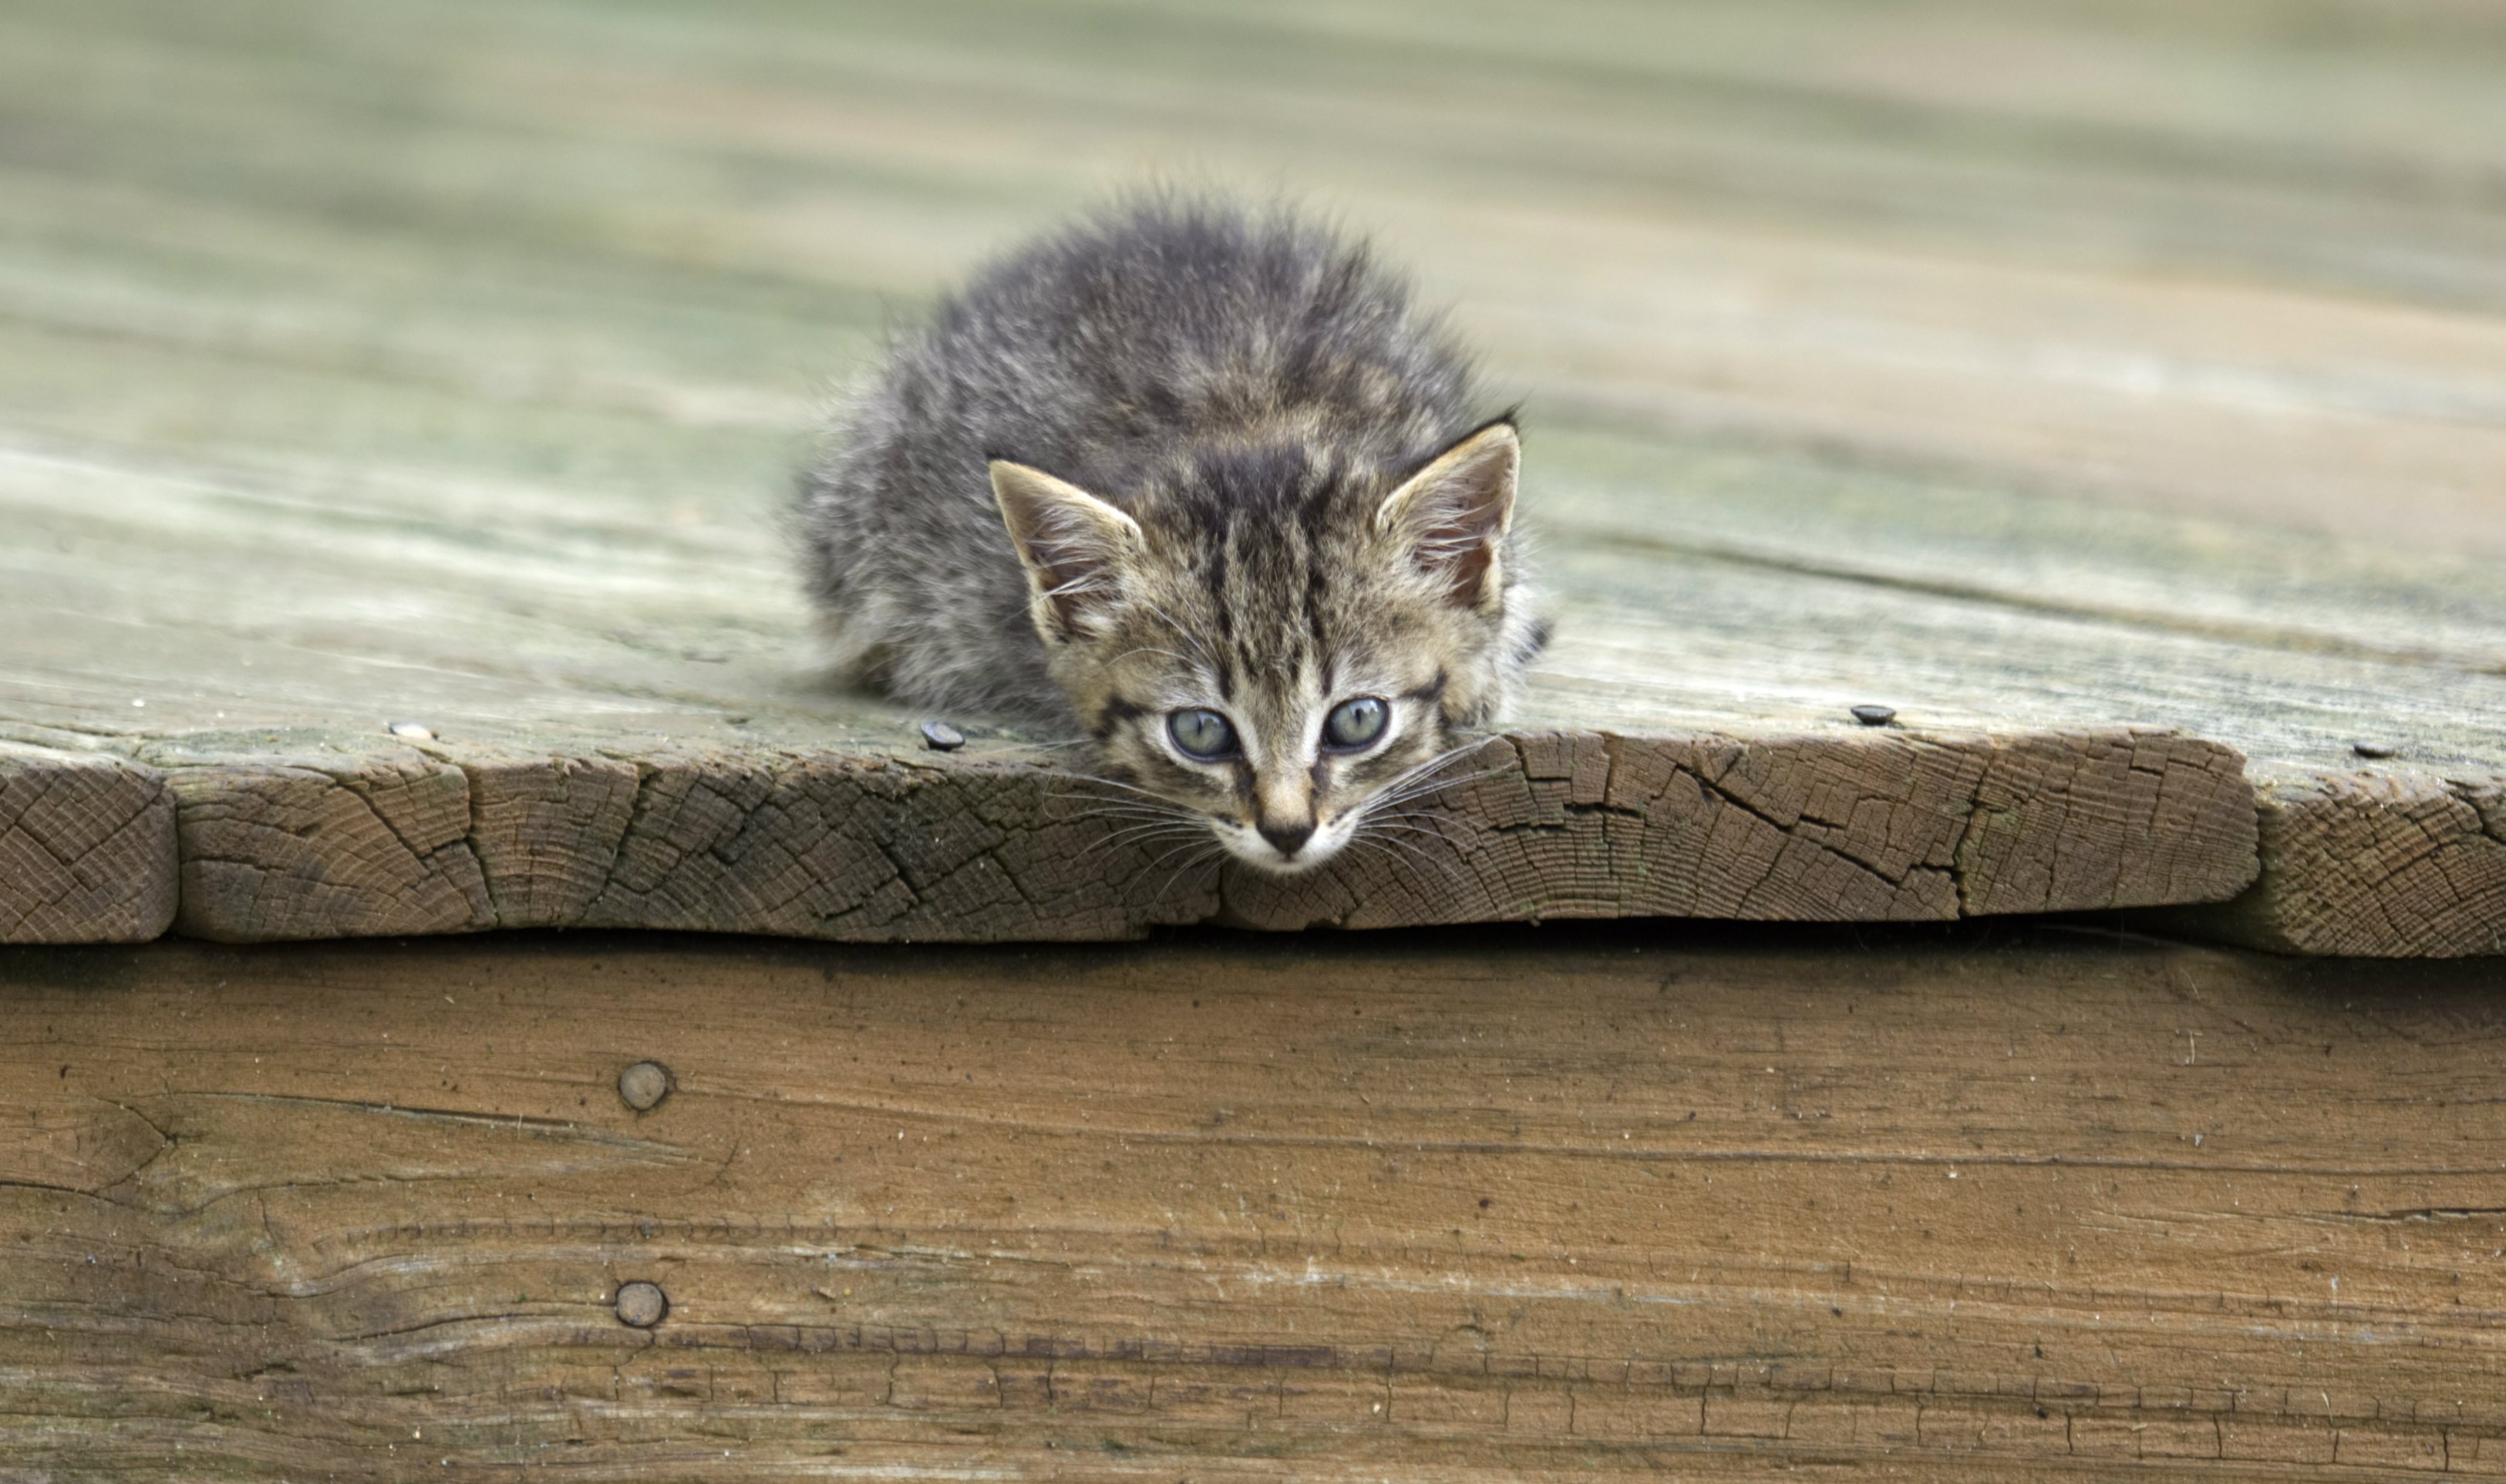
[[2120, 399], [2116, 391]]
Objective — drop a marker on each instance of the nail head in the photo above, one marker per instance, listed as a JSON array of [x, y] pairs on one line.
[[643, 1085], [642, 1305], [941, 737], [412, 731], [1874, 715], [2372, 749]]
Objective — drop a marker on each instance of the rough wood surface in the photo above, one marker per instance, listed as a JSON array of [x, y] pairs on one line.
[[1547, 824], [355, 368], [1517, 1204], [2358, 866], [87, 849]]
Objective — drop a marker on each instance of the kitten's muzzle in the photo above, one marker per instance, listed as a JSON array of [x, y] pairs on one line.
[[1289, 837]]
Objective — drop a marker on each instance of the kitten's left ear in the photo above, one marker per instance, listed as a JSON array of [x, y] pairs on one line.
[[1453, 513]]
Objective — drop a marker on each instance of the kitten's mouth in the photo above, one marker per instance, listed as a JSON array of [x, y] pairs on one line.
[[1250, 846]]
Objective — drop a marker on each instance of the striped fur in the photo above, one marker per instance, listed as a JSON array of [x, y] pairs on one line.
[[1183, 456]]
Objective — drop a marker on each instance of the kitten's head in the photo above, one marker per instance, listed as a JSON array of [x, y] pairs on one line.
[[1271, 638]]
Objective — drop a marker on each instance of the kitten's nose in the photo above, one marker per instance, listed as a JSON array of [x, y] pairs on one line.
[[1289, 837]]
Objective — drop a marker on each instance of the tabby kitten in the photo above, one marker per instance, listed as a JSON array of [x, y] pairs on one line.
[[1197, 483]]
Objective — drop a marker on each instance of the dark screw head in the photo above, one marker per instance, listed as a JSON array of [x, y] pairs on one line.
[[2372, 749], [1874, 715], [642, 1304], [643, 1085], [941, 737]]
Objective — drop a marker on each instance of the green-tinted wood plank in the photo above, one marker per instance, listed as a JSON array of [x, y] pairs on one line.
[[1941, 359]]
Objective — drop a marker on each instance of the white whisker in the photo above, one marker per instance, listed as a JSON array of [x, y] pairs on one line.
[[1451, 877], [1153, 830], [1188, 636], [1210, 845], [1122, 806], [1111, 783], [1424, 772], [1426, 830], [1428, 787], [1384, 849], [1148, 649]]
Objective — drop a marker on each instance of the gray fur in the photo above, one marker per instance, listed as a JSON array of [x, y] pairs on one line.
[[1248, 388]]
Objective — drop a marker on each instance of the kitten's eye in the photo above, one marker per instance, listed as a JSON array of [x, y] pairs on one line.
[[1355, 724], [1202, 734]]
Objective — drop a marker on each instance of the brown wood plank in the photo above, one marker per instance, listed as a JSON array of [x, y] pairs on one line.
[[2307, 651], [87, 849], [2375, 866], [1605, 1202], [978, 848]]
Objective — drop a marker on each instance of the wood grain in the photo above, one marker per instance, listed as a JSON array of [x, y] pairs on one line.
[[1505, 1204], [364, 370], [328, 847], [985, 848], [2375, 865], [87, 849]]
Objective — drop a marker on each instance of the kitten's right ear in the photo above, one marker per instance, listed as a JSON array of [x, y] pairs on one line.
[[1074, 548], [1453, 515]]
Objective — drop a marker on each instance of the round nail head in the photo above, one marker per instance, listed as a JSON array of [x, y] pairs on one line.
[[642, 1305], [941, 737], [412, 731], [1874, 715], [2372, 749], [643, 1085]]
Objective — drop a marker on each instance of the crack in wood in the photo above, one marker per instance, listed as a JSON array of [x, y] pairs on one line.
[[86, 848], [1556, 824]]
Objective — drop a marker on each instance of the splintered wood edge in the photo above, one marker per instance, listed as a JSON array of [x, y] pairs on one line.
[[1891, 826], [2373, 864], [1535, 825], [87, 848]]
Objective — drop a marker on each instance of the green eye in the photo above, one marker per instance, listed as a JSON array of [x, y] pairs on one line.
[[1355, 724], [1202, 734]]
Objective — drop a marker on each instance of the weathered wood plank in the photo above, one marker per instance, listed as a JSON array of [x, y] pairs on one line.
[[981, 848], [1495, 1206], [328, 847], [87, 849], [1854, 374], [2298, 649], [2375, 865]]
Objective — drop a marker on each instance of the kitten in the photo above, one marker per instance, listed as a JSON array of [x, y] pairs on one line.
[[1196, 482]]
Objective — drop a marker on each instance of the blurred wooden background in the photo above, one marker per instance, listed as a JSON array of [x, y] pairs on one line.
[[2039, 368]]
